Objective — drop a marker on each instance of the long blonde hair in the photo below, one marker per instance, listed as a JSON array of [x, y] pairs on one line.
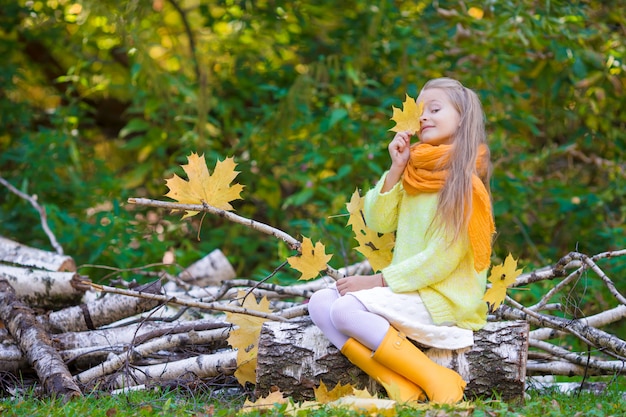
[[455, 198]]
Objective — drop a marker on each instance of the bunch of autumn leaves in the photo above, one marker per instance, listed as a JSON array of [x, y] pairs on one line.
[[217, 190]]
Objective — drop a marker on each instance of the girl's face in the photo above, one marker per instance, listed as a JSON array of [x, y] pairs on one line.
[[440, 118]]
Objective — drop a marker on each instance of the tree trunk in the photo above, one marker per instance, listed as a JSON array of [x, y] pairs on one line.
[[295, 356], [36, 344]]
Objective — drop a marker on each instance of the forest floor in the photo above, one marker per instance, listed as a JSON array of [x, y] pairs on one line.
[[207, 401]]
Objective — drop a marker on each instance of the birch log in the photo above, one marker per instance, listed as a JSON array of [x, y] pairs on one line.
[[295, 356], [209, 270], [82, 350], [43, 289], [136, 333], [18, 254], [201, 366], [162, 344], [35, 343], [105, 310], [12, 360]]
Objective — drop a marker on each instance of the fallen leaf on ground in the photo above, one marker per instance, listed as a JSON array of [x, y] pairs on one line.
[[323, 395]]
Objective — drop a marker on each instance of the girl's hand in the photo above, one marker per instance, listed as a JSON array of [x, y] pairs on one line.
[[359, 282], [400, 150]]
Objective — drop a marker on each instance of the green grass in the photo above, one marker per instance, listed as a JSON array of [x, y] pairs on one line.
[[206, 402], [153, 402]]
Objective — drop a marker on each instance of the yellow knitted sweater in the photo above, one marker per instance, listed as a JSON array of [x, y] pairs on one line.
[[424, 260]]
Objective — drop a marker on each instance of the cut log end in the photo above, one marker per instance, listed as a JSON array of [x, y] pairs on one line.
[[59, 385], [210, 270]]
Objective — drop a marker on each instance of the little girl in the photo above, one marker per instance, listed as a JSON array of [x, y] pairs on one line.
[[436, 197]]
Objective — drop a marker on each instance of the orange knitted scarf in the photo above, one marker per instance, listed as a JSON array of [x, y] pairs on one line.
[[426, 172]]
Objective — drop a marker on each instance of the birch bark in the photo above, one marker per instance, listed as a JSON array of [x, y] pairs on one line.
[[16, 253], [296, 356], [43, 289], [35, 343]]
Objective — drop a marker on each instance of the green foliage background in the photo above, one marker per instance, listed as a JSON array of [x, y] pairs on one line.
[[103, 100]]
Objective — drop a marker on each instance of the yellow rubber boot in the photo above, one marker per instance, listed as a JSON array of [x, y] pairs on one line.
[[442, 385], [398, 387]]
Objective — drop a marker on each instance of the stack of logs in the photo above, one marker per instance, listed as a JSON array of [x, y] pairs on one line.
[[76, 339]]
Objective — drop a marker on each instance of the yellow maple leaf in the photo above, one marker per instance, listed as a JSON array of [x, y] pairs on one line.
[[355, 209], [277, 398], [407, 119], [265, 403], [245, 337], [372, 406], [311, 260], [348, 397], [377, 248], [202, 187], [501, 277], [323, 395]]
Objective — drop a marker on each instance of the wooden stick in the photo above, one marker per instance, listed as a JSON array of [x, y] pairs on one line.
[[42, 214], [292, 242], [182, 302]]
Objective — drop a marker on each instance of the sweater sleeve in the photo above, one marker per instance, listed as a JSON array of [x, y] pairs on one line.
[[381, 209], [435, 263]]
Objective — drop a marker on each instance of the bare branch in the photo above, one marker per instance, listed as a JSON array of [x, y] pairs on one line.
[[292, 242], [594, 337], [556, 367], [597, 320], [177, 300], [578, 359], [42, 214], [607, 281], [548, 296], [279, 290]]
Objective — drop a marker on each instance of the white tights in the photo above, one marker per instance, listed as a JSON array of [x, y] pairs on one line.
[[341, 318]]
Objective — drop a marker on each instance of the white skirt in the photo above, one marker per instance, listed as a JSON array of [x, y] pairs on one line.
[[407, 313]]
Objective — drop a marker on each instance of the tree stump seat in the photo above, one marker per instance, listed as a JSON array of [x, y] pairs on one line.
[[295, 357]]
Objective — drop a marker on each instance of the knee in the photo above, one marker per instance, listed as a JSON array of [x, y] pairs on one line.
[[342, 312], [320, 303]]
